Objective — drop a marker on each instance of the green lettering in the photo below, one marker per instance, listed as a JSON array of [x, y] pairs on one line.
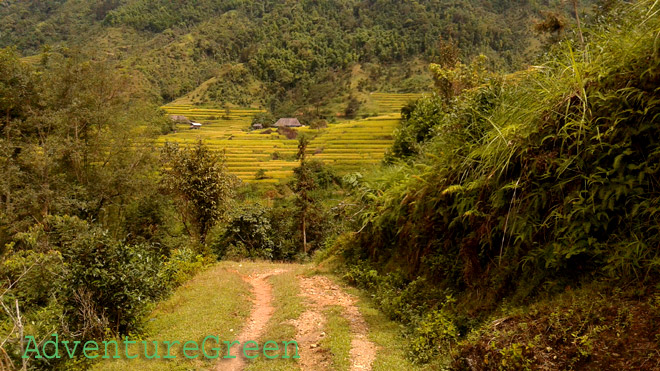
[[35, 349], [217, 350], [68, 351], [246, 349], [169, 345], [126, 344], [106, 343], [55, 344], [155, 355], [267, 348], [229, 345], [94, 347], [186, 349], [286, 349]]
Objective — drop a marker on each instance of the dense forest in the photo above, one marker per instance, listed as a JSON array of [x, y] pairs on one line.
[[513, 223], [286, 55]]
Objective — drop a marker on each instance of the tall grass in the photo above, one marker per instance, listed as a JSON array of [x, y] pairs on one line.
[[534, 180]]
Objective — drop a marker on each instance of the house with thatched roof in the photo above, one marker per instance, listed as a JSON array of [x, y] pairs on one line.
[[290, 122]]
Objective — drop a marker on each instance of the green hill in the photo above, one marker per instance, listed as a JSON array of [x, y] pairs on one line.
[[279, 54], [520, 213]]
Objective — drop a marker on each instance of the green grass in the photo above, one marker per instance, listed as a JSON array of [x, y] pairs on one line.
[[215, 302], [383, 332], [337, 338]]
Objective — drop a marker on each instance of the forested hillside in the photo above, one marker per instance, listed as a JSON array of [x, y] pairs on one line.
[[519, 214], [285, 55]]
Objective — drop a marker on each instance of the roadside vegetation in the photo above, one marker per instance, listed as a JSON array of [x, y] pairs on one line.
[[193, 311], [506, 190]]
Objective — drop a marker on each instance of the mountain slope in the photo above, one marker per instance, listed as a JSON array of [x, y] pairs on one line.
[[519, 188], [290, 48]]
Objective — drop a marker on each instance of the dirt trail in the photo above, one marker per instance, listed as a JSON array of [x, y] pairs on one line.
[[321, 292], [262, 310]]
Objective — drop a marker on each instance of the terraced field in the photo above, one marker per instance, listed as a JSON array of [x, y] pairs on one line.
[[346, 146], [392, 102]]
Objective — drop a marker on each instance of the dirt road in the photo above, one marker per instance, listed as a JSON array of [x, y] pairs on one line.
[[319, 293]]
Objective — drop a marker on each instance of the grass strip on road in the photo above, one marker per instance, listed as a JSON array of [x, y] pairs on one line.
[[288, 307]]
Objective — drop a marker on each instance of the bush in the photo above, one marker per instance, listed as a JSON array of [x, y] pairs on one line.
[[248, 230], [144, 222], [112, 279], [324, 177], [260, 174], [266, 119], [72, 278], [182, 265], [423, 308], [433, 333], [33, 274]]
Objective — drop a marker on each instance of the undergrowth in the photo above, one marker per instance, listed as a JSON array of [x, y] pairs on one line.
[[524, 185]]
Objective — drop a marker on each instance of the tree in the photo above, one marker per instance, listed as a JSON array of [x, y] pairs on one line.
[[451, 81], [304, 185], [73, 141], [202, 189], [250, 228], [352, 107], [265, 119], [553, 24]]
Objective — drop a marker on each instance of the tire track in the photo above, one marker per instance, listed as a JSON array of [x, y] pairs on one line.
[[262, 310], [321, 292]]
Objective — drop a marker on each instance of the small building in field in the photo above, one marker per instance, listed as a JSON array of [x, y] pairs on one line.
[[195, 125], [257, 126], [289, 122], [180, 119]]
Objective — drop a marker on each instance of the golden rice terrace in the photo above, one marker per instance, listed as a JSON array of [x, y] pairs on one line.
[[346, 146]]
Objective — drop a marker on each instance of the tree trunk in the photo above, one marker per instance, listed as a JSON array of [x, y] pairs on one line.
[[304, 233]]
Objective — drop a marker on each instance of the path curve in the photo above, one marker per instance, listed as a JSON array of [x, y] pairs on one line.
[[321, 292], [262, 310]]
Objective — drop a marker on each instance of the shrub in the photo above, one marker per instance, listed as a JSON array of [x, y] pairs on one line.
[[32, 273], [260, 174], [266, 119], [424, 308], [352, 107], [112, 278], [182, 265], [249, 229], [99, 282], [434, 332], [144, 222]]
